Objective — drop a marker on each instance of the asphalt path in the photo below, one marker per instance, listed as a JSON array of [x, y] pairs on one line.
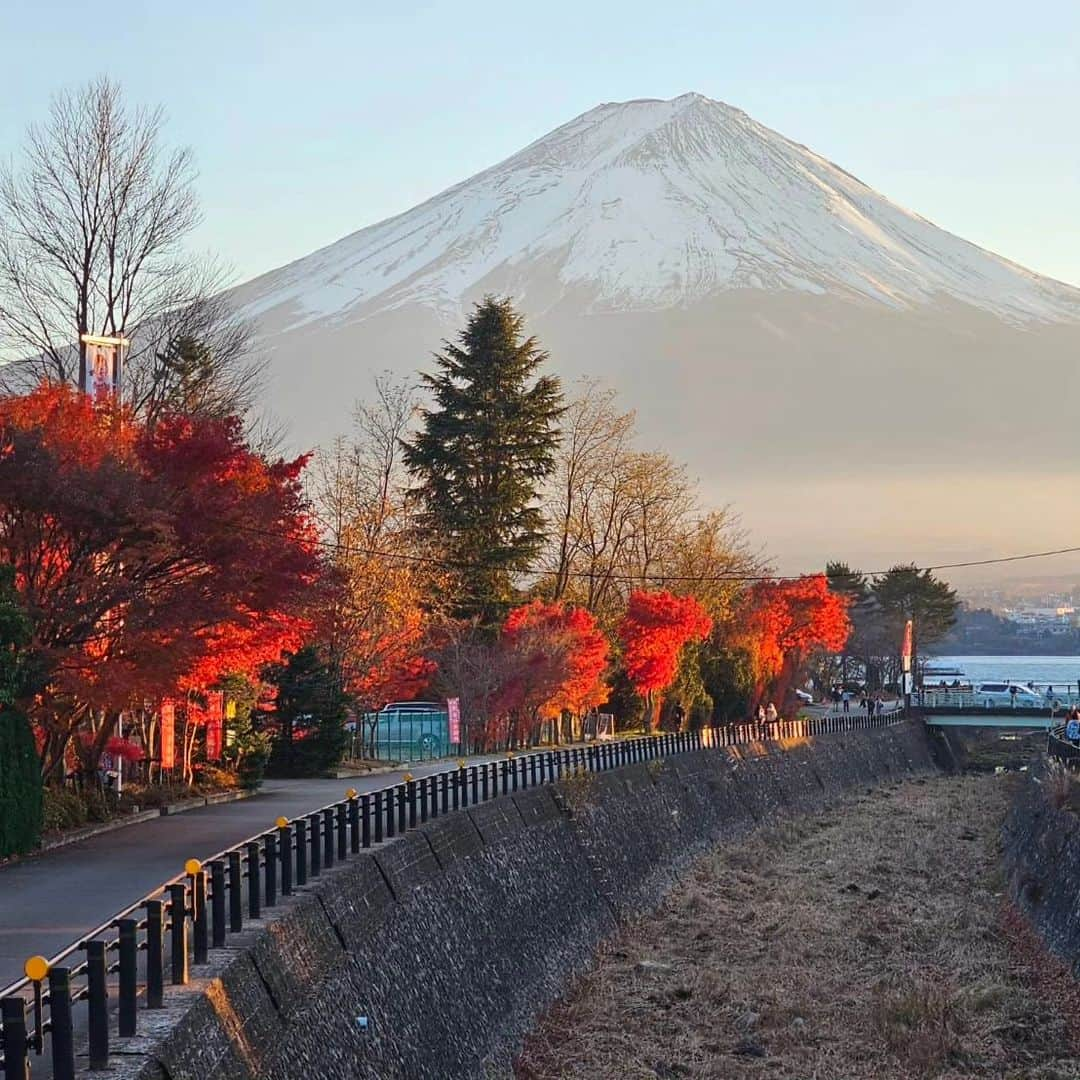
[[47, 901]]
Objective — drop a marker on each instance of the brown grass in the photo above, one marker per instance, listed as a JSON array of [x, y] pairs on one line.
[[865, 942], [1062, 787]]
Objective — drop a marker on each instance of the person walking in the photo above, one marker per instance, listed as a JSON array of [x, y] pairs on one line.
[[678, 714], [845, 700], [761, 714], [771, 715]]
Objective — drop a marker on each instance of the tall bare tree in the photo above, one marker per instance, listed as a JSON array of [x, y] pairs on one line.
[[626, 518], [379, 625], [596, 437], [93, 220]]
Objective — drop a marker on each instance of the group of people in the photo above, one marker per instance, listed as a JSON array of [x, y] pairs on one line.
[[871, 705], [767, 714]]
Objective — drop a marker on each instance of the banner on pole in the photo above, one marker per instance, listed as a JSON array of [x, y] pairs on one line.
[[453, 711], [168, 734], [905, 654], [102, 355], [214, 718]]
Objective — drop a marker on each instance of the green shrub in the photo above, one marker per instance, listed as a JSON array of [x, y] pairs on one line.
[[252, 766], [20, 785], [210, 778], [63, 809], [100, 804]]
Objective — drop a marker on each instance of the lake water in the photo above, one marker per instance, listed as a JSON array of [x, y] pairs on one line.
[[1056, 671]]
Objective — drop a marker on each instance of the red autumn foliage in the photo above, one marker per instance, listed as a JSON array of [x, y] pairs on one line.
[[386, 665], [656, 627], [781, 623], [126, 751], [560, 656], [150, 561]]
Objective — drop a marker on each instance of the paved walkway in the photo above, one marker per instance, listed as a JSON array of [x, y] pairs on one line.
[[48, 900]]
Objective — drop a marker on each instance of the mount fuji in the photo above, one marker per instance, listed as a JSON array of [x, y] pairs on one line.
[[801, 341]]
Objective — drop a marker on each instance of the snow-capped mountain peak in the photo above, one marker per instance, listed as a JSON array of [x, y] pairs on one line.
[[649, 205]]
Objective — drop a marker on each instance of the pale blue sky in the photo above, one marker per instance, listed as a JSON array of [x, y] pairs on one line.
[[312, 119]]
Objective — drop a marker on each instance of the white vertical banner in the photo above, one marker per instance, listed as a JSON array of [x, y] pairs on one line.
[[100, 368], [104, 360]]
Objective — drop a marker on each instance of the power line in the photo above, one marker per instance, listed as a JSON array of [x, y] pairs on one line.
[[450, 564]]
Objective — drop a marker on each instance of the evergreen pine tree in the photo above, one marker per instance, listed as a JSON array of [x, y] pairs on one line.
[[863, 608], [906, 592], [309, 715], [485, 447], [20, 771]]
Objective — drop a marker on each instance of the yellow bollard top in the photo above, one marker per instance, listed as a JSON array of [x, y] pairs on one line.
[[36, 968], [407, 778], [509, 753], [461, 763], [351, 793], [192, 866], [282, 822]]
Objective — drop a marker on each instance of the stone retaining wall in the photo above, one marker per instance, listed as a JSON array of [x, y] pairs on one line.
[[431, 956], [1042, 860]]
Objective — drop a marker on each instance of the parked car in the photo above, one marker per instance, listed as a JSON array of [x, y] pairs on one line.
[[409, 730], [993, 694], [414, 706], [805, 697]]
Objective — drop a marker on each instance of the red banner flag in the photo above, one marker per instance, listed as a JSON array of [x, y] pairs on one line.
[[215, 714], [453, 716], [905, 654], [168, 734]]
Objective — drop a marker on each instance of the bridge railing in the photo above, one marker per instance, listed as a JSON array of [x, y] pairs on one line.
[[930, 697], [151, 944], [1061, 749]]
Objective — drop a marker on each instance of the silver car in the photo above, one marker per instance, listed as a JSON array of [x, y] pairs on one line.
[[991, 694]]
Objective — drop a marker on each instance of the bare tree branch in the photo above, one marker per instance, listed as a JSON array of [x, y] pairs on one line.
[[92, 230]]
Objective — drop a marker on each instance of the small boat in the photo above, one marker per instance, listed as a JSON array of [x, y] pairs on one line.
[[931, 672]]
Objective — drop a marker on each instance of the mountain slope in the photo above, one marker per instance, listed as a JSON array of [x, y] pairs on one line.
[[858, 381], [655, 204]]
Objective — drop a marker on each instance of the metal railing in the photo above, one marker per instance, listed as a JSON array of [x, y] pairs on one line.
[[403, 736], [931, 697], [1061, 749], [151, 944]]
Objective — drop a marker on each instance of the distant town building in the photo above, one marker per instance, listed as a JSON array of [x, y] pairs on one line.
[[1054, 620]]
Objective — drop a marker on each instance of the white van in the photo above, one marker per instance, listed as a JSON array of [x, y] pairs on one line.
[[992, 694]]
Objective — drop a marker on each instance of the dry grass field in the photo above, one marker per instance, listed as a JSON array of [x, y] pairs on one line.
[[869, 941]]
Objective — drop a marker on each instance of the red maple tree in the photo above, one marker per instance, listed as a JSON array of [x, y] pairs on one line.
[[654, 630], [780, 624], [148, 560], [557, 657]]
